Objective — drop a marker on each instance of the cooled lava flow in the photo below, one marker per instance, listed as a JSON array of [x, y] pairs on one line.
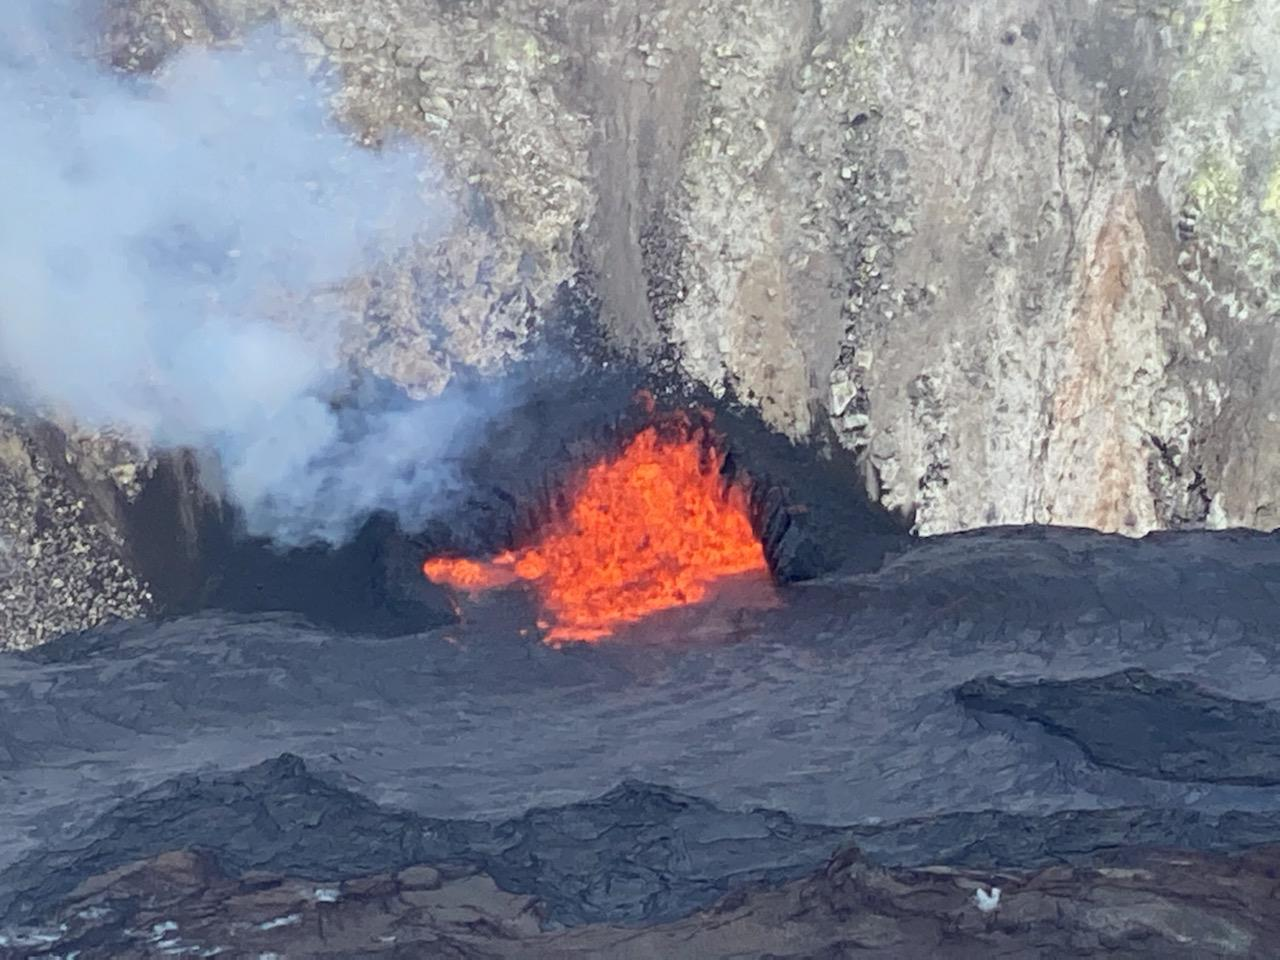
[[649, 530]]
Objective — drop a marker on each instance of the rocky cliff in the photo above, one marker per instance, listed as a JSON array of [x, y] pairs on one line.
[[1021, 256], [1024, 254]]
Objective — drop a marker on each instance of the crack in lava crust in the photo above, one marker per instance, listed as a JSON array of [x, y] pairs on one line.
[[649, 530]]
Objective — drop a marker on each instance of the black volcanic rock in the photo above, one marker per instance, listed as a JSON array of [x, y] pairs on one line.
[[839, 699], [645, 853], [1159, 905], [273, 815], [194, 554], [1132, 721], [640, 854], [992, 839]]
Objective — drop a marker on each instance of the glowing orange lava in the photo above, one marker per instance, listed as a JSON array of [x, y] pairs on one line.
[[470, 575], [647, 531]]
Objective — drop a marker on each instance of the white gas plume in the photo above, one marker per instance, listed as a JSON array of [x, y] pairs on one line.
[[171, 251]]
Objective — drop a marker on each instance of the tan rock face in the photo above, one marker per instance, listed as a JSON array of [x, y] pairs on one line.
[[1094, 460], [62, 567], [1023, 255]]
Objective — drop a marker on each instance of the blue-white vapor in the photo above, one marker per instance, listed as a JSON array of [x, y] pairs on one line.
[[171, 249]]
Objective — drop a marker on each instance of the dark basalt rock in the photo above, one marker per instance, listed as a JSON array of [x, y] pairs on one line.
[[811, 517], [193, 553], [991, 839], [1132, 721], [424, 718], [275, 815], [519, 475], [645, 853], [639, 854], [1041, 574], [1152, 904]]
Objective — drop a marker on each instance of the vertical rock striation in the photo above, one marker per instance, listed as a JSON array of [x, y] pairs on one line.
[[1024, 256]]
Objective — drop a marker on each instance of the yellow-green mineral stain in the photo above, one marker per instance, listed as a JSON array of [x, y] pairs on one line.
[[1217, 18], [1270, 202], [1216, 183]]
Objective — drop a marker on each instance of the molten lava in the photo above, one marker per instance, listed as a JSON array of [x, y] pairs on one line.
[[471, 575], [649, 530]]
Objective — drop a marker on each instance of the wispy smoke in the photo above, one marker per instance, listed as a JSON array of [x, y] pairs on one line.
[[170, 250]]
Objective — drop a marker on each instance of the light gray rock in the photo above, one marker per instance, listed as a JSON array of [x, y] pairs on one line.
[[1022, 255], [1040, 238], [63, 566]]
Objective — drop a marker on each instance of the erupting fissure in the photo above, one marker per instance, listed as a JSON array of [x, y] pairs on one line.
[[648, 530]]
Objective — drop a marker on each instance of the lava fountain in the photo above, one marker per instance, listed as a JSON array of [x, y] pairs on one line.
[[647, 530]]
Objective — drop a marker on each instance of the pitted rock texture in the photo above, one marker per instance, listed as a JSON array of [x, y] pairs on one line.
[[63, 566], [1023, 255], [1168, 729]]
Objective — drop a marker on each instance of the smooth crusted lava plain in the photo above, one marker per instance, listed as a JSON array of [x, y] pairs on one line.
[[1132, 721], [778, 736]]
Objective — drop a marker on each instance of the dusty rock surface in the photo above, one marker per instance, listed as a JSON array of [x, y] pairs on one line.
[[1023, 254]]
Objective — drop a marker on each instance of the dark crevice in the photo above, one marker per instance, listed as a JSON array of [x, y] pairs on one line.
[[806, 506]]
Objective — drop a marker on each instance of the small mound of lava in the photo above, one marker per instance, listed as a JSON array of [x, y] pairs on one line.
[[647, 530]]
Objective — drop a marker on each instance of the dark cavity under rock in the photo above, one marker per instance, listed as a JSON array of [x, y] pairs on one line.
[[639, 854], [811, 516], [1132, 721], [193, 551]]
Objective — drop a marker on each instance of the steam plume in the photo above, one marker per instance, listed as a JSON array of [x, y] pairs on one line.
[[169, 251]]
